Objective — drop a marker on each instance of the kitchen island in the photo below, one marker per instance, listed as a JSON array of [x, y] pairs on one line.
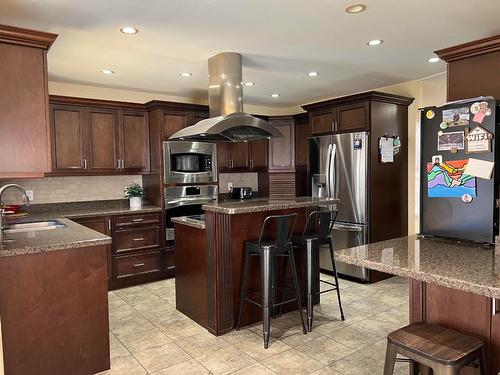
[[452, 284], [209, 257], [54, 300]]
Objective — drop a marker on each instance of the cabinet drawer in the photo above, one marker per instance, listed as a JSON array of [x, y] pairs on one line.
[[136, 239], [131, 265], [136, 220]]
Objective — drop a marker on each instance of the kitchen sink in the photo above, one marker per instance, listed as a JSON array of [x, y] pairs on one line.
[[34, 226]]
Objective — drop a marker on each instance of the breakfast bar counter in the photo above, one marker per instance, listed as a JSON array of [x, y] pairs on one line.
[[456, 285], [209, 257]]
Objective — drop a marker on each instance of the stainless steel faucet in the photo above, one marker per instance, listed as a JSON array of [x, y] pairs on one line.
[[25, 199]]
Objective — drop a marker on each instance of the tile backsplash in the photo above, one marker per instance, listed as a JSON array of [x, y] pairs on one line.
[[238, 180], [71, 189]]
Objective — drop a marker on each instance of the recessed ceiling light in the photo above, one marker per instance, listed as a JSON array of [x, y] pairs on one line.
[[357, 8], [275, 95], [129, 30], [313, 74], [434, 59], [249, 84], [375, 42], [107, 72], [186, 74]]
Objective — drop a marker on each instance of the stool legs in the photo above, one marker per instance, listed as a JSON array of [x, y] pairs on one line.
[[334, 266], [390, 359], [309, 276], [265, 268], [242, 288], [296, 285]]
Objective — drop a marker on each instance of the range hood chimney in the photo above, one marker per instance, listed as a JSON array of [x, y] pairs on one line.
[[227, 120]]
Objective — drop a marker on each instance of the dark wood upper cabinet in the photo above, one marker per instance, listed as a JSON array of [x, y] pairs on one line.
[[223, 157], [352, 117], [102, 140], [302, 133], [134, 134], [23, 102], [238, 152], [68, 141], [322, 122], [172, 123], [282, 149], [258, 154]]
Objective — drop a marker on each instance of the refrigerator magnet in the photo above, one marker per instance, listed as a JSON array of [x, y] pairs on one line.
[[456, 116], [430, 114], [480, 110], [451, 141], [477, 141], [358, 144], [467, 198], [443, 125]]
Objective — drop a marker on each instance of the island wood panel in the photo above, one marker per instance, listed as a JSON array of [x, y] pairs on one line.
[[465, 312], [225, 244], [191, 273], [54, 309]]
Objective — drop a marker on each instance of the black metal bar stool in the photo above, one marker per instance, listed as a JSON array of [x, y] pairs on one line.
[[267, 249], [317, 231]]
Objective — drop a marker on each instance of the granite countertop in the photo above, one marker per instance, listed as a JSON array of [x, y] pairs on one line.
[[72, 236], [264, 204], [466, 267], [189, 221]]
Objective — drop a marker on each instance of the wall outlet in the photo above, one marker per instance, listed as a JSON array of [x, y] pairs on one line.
[[229, 186], [30, 195]]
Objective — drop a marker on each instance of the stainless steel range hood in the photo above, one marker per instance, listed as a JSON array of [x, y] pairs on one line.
[[227, 120]]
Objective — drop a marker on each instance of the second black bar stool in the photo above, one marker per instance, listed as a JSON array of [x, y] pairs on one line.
[[317, 232], [279, 245]]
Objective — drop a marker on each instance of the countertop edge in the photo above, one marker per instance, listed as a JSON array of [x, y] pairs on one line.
[[189, 223], [278, 205], [422, 276]]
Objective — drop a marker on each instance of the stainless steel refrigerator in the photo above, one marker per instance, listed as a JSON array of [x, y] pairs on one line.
[[338, 168]]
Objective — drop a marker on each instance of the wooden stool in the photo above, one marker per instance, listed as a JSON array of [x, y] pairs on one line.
[[441, 349]]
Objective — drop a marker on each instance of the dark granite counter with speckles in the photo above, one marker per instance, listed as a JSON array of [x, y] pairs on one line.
[[465, 267], [263, 204], [190, 222], [73, 235]]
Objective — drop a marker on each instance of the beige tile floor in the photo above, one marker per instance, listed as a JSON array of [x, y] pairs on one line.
[[149, 336]]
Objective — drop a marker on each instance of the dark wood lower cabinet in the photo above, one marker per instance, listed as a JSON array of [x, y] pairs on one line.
[[54, 309], [137, 253]]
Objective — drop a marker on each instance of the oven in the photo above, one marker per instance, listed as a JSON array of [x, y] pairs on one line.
[[186, 201], [190, 162]]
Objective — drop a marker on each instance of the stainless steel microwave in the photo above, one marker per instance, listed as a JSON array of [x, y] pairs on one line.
[[188, 162]]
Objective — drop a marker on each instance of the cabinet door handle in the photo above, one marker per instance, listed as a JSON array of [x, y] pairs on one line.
[[251, 163], [139, 265], [139, 239], [494, 307], [109, 224], [84, 163], [137, 220]]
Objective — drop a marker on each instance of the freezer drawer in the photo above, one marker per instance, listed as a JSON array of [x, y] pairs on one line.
[[345, 235]]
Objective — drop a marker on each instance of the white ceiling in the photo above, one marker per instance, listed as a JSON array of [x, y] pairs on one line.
[[280, 40]]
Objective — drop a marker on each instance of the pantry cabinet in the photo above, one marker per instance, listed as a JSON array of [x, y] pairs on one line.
[[24, 141]]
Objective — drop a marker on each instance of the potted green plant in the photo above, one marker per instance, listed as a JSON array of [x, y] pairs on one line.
[[134, 192]]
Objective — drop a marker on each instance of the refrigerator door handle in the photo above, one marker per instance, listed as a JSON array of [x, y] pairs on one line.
[[327, 170], [347, 228], [333, 173]]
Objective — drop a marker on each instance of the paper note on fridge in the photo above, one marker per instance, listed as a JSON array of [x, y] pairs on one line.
[[386, 146], [479, 168]]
